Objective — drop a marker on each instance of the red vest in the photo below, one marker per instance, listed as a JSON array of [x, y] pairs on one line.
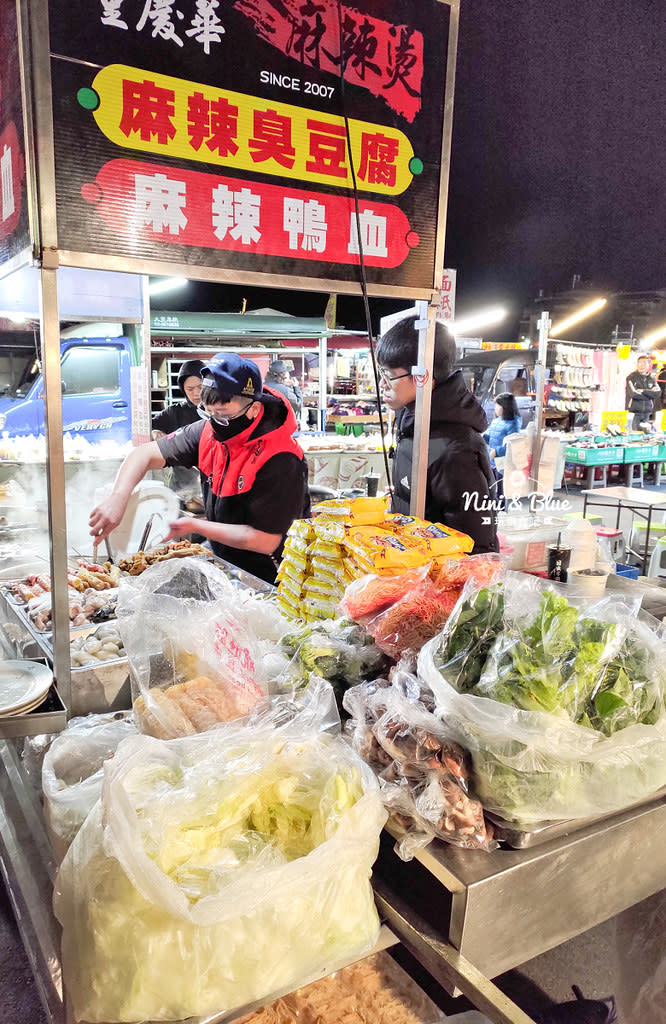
[[231, 467]]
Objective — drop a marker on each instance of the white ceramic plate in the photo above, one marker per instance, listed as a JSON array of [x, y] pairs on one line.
[[22, 684]]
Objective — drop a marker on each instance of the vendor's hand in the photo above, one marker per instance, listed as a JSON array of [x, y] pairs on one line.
[[180, 528], [492, 453], [105, 517]]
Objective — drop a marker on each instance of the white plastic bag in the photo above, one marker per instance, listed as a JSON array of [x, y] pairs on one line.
[[561, 707], [72, 772], [218, 869]]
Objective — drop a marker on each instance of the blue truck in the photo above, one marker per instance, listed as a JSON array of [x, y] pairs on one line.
[[96, 392]]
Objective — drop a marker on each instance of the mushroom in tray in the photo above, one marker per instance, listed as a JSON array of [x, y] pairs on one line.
[[106, 610]]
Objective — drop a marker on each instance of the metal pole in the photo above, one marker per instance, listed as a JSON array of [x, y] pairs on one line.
[[544, 324], [323, 380], [55, 471], [423, 374]]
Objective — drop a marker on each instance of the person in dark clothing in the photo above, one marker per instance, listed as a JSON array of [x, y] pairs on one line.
[[278, 379], [460, 481], [179, 414], [253, 473], [642, 391]]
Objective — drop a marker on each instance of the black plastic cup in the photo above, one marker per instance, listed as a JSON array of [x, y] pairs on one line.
[[371, 484], [558, 562]]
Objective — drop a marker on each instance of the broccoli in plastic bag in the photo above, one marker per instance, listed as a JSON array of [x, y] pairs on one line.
[[337, 650]]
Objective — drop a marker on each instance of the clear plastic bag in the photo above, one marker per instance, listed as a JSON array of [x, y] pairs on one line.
[[192, 643], [422, 771], [405, 611], [338, 650], [72, 772], [219, 868], [560, 703]]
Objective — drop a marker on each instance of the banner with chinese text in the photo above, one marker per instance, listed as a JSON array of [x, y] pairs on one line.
[[216, 133], [14, 225]]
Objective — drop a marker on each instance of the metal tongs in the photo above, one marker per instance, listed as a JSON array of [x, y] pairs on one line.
[[147, 529]]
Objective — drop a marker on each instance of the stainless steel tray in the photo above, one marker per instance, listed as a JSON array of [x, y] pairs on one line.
[[522, 837], [50, 716]]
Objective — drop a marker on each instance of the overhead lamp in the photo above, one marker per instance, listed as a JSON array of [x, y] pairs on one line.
[[484, 318], [166, 284], [585, 311], [657, 335]]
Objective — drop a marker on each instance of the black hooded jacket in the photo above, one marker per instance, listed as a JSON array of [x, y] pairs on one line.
[[460, 484]]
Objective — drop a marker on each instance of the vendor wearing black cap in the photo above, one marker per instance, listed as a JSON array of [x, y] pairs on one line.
[[184, 481], [181, 413], [253, 473]]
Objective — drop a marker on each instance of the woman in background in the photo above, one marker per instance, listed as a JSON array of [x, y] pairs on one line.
[[507, 421]]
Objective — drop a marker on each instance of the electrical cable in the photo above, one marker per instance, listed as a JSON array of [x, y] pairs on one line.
[[362, 275]]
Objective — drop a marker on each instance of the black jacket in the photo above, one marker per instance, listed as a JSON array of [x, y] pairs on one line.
[[460, 483], [174, 416], [642, 391]]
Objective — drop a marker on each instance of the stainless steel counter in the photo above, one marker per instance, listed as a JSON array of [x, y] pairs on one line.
[[501, 909]]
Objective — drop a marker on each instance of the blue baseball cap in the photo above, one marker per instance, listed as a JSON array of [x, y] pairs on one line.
[[232, 375]]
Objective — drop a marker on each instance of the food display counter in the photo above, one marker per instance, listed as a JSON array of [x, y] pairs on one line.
[[468, 915]]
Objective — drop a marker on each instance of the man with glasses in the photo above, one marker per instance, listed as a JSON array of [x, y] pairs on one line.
[[460, 482], [253, 473]]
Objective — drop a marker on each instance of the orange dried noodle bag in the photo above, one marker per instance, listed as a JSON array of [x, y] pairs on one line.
[[414, 619], [384, 550], [450, 572], [369, 595], [437, 538]]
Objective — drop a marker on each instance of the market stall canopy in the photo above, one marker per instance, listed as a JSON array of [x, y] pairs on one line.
[[268, 327]]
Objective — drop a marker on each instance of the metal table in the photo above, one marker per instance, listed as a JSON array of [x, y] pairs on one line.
[[641, 502], [501, 909]]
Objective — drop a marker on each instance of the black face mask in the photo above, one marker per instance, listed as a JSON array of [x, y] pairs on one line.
[[233, 427]]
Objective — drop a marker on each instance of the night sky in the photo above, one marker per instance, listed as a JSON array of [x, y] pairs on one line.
[[558, 160]]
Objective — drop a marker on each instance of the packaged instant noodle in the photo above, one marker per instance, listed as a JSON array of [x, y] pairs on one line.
[[353, 511], [436, 538]]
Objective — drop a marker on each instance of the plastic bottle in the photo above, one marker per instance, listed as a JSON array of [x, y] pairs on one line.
[[581, 537]]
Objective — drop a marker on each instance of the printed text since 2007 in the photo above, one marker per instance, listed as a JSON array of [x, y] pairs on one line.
[[295, 84]]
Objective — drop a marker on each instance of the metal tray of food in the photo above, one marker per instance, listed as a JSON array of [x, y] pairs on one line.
[[522, 837], [101, 685]]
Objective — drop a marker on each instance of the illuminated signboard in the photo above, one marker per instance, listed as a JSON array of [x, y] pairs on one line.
[[14, 229], [220, 133]]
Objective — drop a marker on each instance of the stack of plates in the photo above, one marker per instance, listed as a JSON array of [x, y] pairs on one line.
[[23, 686]]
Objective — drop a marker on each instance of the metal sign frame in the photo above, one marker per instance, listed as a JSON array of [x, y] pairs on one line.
[[33, 18]]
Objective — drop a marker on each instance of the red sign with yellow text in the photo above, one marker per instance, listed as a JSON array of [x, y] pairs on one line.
[[173, 117]]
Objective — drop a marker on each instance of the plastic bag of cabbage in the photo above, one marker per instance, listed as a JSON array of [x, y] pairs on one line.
[[560, 703], [218, 869]]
